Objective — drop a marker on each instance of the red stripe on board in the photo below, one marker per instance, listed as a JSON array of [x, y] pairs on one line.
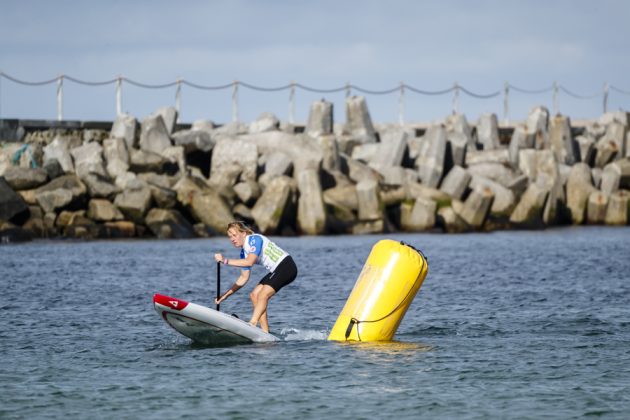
[[170, 302]]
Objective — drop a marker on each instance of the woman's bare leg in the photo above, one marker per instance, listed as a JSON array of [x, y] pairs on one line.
[[261, 295], [264, 323]]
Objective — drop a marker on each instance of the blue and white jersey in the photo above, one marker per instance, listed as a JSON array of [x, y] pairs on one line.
[[267, 253]]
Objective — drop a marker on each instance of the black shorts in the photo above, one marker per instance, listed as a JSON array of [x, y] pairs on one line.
[[284, 274]]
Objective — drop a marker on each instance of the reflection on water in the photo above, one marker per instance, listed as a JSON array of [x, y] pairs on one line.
[[390, 348]]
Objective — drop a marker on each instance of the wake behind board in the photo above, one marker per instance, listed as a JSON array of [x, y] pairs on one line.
[[205, 325]]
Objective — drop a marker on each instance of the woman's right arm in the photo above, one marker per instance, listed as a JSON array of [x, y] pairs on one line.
[[240, 282]]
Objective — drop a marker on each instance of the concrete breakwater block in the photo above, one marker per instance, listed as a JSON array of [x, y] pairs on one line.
[[88, 158], [311, 215], [586, 145], [476, 208], [369, 204], [561, 140], [169, 117], [60, 193], [419, 216], [504, 199], [596, 208], [116, 156], [247, 191], [430, 162], [520, 140], [358, 121], [154, 136], [20, 178], [450, 221], [194, 140], [500, 173], [59, 150], [618, 210], [342, 196], [209, 208], [456, 182], [134, 204], [616, 175], [457, 123], [579, 187], [605, 152], [267, 121], [102, 210], [99, 186], [529, 210], [320, 119], [271, 206], [538, 127], [458, 144], [12, 207], [496, 155], [391, 149], [168, 224], [488, 132], [125, 127]]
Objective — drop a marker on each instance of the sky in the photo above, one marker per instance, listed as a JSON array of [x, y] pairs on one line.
[[374, 45]]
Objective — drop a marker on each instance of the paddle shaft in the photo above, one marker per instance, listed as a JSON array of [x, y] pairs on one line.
[[218, 282]]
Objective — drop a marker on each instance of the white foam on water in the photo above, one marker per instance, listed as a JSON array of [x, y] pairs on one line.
[[293, 334]]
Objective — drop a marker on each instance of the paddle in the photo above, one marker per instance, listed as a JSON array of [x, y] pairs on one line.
[[218, 282]]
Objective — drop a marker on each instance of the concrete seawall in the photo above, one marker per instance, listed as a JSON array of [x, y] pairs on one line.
[[159, 178]]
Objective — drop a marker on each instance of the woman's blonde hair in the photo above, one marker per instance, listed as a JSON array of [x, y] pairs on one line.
[[240, 226]]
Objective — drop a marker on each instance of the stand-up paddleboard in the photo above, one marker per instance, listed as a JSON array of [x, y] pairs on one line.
[[205, 325]]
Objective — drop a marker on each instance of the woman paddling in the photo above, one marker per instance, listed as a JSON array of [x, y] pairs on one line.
[[258, 249]]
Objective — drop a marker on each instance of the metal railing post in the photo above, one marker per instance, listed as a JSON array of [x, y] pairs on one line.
[[506, 102], [235, 101], [401, 105], [456, 98], [292, 103], [606, 90], [178, 99], [60, 98], [556, 107], [119, 96]]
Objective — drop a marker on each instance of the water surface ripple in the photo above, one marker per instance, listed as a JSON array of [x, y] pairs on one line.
[[506, 325]]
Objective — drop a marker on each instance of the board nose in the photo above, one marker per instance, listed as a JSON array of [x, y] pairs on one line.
[[169, 302]]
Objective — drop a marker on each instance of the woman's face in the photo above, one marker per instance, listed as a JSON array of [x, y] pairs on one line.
[[236, 237]]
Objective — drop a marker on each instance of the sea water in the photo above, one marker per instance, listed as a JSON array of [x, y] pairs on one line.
[[506, 325]]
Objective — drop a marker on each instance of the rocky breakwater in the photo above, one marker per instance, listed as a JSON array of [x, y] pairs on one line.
[[148, 179]]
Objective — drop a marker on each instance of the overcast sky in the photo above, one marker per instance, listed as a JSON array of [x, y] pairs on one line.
[[375, 45]]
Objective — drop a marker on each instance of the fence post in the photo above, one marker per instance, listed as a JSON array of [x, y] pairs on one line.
[[119, 96], [60, 98], [506, 103], [556, 108], [292, 103], [235, 101], [456, 99], [178, 98], [401, 105], [606, 89]]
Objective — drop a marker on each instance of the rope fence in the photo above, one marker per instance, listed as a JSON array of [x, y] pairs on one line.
[[555, 89]]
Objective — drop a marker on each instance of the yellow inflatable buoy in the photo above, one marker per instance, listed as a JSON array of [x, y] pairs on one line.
[[390, 279]]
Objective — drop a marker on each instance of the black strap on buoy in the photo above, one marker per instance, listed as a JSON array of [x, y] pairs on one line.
[[350, 325], [218, 282], [415, 249]]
